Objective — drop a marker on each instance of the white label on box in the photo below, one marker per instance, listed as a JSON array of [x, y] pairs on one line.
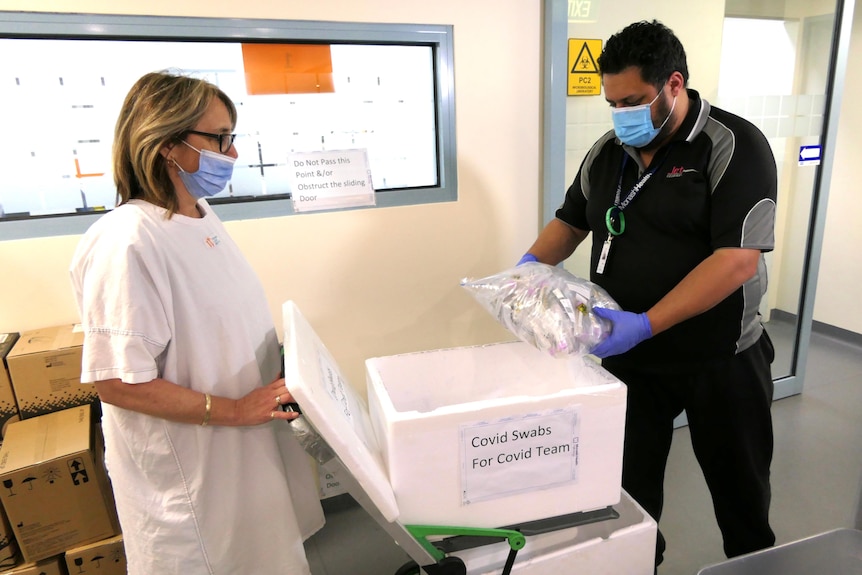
[[350, 405], [517, 454], [336, 388]]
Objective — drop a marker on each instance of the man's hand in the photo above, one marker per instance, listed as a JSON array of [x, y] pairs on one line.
[[528, 257], [627, 330]]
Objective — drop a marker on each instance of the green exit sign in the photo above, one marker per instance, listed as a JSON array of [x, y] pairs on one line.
[[583, 10]]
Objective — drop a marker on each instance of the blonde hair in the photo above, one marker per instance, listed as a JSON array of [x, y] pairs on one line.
[[159, 109]]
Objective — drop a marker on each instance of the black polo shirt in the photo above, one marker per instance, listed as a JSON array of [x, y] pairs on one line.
[[714, 186]]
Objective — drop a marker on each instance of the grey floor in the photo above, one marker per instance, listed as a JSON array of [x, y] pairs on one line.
[[816, 474]]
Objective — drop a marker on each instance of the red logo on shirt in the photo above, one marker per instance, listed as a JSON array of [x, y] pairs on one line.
[[212, 241], [678, 171]]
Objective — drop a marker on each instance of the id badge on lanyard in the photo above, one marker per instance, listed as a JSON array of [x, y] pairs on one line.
[[615, 219]]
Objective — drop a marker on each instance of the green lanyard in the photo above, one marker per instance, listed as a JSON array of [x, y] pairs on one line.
[[615, 214]]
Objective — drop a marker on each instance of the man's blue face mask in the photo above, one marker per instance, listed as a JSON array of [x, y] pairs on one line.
[[633, 125], [214, 172]]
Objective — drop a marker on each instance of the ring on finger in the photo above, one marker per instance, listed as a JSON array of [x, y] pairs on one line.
[[278, 400], [272, 415]]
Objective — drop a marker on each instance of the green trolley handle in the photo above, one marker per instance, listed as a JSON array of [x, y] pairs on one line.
[[421, 533]]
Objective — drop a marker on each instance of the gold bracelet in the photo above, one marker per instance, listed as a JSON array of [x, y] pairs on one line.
[[208, 411]]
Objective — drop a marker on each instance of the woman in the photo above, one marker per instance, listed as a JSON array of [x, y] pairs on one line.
[[182, 349]]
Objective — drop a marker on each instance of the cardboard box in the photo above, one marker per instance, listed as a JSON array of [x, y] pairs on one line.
[[53, 483], [45, 366], [52, 566], [8, 405], [8, 545], [105, 557], [495, 435]]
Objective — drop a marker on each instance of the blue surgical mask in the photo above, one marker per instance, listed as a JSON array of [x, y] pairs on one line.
[[214, 172], [633, 125]]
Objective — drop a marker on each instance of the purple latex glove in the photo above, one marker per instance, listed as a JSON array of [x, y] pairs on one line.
[[527, 258], [627, 330]]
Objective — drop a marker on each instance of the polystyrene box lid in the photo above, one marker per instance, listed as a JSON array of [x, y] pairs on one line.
[[334, 408]]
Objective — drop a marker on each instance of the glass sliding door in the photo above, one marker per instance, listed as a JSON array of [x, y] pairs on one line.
[[774, 73]]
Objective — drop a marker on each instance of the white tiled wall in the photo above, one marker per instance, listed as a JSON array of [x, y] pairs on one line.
[[783, 116]]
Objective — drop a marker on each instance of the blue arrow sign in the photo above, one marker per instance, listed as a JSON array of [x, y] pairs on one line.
[[809, 155]]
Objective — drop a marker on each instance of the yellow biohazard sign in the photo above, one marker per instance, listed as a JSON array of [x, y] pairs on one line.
[[584, 79]]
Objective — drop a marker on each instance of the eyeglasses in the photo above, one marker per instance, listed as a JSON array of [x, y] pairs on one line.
[[225, 141]]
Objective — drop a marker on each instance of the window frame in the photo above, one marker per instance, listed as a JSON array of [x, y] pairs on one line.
[[54, 26]]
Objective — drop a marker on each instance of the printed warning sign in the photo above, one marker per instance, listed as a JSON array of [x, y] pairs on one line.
[[584, 78], [330, 179]]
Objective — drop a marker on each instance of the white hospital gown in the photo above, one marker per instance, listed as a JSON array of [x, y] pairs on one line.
[[176, 299]]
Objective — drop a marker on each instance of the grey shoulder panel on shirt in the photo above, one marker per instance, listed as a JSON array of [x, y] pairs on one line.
[[758, 229], [723, 147], [700, 121], [753, 292], [591, 157]]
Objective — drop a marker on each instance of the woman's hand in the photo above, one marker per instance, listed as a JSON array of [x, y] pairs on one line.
[[264, 404], [161, 398]]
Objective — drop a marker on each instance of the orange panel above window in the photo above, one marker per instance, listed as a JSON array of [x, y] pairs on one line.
[[287, 68]]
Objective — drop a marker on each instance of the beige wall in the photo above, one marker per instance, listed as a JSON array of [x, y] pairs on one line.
[[377, 281]]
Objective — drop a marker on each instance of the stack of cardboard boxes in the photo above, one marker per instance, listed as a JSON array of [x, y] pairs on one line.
[[57, 513]]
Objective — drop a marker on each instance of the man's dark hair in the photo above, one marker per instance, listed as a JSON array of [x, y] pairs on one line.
[[650, 46]]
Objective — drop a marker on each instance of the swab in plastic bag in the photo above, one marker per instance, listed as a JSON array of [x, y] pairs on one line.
[[545, 306]]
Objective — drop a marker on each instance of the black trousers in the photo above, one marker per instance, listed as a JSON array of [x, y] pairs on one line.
[[728, 407]]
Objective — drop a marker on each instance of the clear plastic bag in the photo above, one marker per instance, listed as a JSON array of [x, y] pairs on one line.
[[545, 306]]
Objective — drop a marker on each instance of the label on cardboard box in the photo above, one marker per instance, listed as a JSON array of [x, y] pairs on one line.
[[106, 557], [45, 368], [54, 488]]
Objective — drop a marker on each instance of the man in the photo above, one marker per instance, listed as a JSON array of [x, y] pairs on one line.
[[680, 198]]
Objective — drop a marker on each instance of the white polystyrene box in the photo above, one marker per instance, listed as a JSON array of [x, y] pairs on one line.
[[625, 545], [494, 435]]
